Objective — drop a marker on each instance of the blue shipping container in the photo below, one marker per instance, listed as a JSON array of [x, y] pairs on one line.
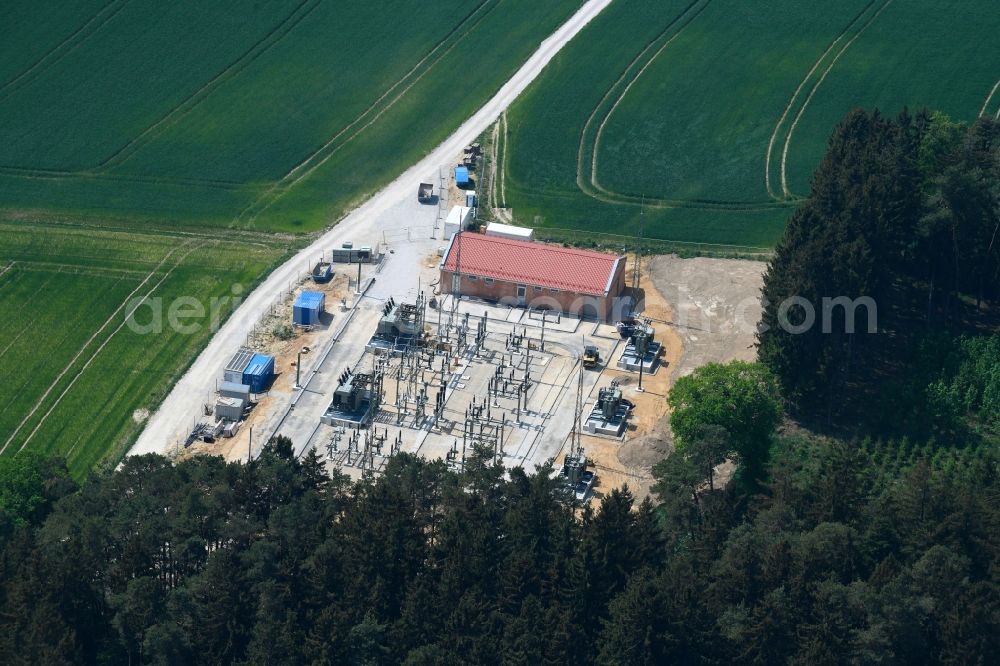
[[308, 307], [259, 373], [461, 175]]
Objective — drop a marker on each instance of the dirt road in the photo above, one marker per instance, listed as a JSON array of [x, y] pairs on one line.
[[187, 395]]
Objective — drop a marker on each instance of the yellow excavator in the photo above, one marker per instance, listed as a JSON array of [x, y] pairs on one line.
[[591, 356]]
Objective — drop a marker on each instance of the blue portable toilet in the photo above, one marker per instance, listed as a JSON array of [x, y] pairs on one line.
[[470, 199], [259, 373], [308, 308], [461, 176]]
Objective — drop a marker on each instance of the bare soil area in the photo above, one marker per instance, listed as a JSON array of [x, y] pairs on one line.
[[716, 306], [704, 310]]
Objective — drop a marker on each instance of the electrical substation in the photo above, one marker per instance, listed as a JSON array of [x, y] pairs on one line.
[[440, 377], [431, 362]]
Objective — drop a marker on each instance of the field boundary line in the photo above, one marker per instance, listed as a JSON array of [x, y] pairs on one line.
[[36, 265], [805, 104], [749, 249], [97, 351], [798, 90], [34, 173], [274, 36], [87, 344], [289, 180], [989, 98], [41, 65], [7, 268], [254, 238]]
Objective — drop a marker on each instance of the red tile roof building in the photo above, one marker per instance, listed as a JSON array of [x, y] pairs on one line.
[[525, 273]]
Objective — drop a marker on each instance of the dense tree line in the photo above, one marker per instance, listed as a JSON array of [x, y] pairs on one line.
[[205, 562], [905, 211]]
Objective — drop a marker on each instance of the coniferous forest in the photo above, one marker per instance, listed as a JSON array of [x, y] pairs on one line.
[[862, 524]]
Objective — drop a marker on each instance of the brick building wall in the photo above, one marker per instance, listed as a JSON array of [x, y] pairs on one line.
[[534, 296]]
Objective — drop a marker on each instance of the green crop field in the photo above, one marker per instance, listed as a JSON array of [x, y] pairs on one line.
[[154, 147], [703, 120], [75, 370], [274, 116]]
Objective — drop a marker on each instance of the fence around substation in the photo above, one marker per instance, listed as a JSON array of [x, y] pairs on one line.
[[621, 242], [407, 234]]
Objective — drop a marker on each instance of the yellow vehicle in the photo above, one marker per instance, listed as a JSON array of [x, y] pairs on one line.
[[591, 357]]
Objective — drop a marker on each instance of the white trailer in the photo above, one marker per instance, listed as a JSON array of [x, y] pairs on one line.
[[510, 231], [458, 219]]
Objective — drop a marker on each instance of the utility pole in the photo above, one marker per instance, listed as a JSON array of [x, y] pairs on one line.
[[456, 278], [641, 359], [576, 441], [250, 447], [640, 343], [298, 371], [637, 266]]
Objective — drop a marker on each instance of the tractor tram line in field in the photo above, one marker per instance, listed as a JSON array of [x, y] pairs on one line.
[[266, 193], [689, 15], [702, 133], [812, 93], [104, 344], [83, 348], [669, 33], [798, 91], [321, 155], [34, 173], [178, 112], [591, 186], [63, 48], [120, 376], [989, 98], [94, 297], [28, 324]]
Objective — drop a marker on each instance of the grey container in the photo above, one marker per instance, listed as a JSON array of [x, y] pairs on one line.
[[229, 409]]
